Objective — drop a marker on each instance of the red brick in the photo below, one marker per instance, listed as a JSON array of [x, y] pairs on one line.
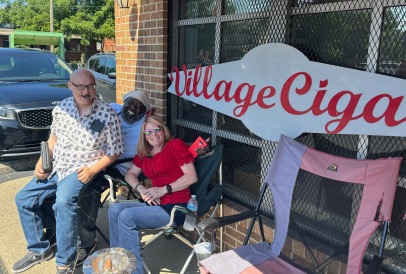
[[236, 234], [287, 248], [149, 86], [158, 95], [227, 247], [157, 32], [144, 47], [255, 238], [158, 79], [151, 40], [320, 256], [333, 267], [149, 24], [230, 240], [148, 8], [145, 17], [160, 103], [298, 248], [143, 63], [144, 32], [163, 6]]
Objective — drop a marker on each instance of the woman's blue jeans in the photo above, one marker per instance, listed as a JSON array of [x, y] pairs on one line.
[[125, 220], [29, 201]]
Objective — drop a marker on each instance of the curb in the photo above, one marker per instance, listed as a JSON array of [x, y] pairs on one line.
[[2, 267], [25, 164]]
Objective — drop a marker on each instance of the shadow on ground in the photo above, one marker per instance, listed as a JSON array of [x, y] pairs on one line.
[[162, 256]]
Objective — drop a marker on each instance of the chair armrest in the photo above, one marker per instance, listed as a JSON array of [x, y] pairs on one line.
[[185, 210], [111, 181], [211, 224], [182, 209]]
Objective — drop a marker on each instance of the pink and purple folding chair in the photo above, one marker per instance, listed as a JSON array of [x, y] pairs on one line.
[[377, 177]]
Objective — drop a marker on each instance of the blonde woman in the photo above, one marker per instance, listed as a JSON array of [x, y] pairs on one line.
[[168, 163]]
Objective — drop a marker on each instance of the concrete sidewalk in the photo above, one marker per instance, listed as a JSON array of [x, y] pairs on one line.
[[162, 256]]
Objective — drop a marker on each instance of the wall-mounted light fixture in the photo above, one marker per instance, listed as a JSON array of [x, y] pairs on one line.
[[124, 4]]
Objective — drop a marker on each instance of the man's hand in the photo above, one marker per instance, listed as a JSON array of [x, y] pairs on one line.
[[85, 174], [39, 172]]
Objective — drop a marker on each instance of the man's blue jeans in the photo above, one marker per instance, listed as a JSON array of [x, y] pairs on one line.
[[88, 208], [125, 220], [29, 201]]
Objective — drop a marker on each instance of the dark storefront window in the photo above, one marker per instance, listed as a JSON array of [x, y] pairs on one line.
[[197, 45], [240, 7], [298, 3], [239, 37], [197, 9], [392, 53], [339, 38]]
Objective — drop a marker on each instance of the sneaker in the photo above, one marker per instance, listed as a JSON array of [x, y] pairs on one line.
[[83, 253], [68, 270], [50, 235], [31, 259]]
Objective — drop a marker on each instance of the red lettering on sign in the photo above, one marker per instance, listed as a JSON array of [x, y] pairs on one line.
[[341, 107]]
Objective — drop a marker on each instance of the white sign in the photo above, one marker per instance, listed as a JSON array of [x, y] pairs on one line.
[[275, 89]]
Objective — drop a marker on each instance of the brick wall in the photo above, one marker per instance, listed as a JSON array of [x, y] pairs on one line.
[[109, 45], [141, 51]]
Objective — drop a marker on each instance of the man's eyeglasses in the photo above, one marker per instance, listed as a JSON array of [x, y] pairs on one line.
[[156, 130], [83, 87]]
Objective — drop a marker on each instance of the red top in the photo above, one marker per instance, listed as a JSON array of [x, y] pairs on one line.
[[164, 168]]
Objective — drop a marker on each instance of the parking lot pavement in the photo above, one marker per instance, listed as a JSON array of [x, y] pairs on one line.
[[162, 256]]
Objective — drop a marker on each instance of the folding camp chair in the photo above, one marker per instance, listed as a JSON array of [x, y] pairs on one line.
[[208, 196], [114, 180], [293, 161]]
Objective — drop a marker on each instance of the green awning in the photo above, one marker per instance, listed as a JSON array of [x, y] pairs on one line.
[[21, 37]]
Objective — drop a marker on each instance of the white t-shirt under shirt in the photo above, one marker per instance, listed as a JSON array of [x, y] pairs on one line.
[[131, 134]]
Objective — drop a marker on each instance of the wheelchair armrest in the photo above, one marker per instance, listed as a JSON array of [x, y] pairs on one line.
[[211, 224], [120, 161]]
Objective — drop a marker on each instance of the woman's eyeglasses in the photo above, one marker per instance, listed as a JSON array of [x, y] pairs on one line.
[[83, 87], [156, 130]]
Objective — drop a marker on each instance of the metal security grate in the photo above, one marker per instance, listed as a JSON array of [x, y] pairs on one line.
[[36, 118], [366, 35]]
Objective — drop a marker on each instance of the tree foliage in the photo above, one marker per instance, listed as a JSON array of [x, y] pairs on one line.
[[89, 19]]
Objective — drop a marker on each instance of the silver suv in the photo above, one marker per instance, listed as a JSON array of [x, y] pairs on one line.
[[103, 66]]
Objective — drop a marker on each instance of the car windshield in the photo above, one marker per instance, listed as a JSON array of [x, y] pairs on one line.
[[33, 67]]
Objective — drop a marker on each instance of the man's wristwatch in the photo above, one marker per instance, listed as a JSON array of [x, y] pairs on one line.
[[169, 188]]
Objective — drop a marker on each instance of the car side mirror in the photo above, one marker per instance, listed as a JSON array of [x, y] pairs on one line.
[[112, 75]]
